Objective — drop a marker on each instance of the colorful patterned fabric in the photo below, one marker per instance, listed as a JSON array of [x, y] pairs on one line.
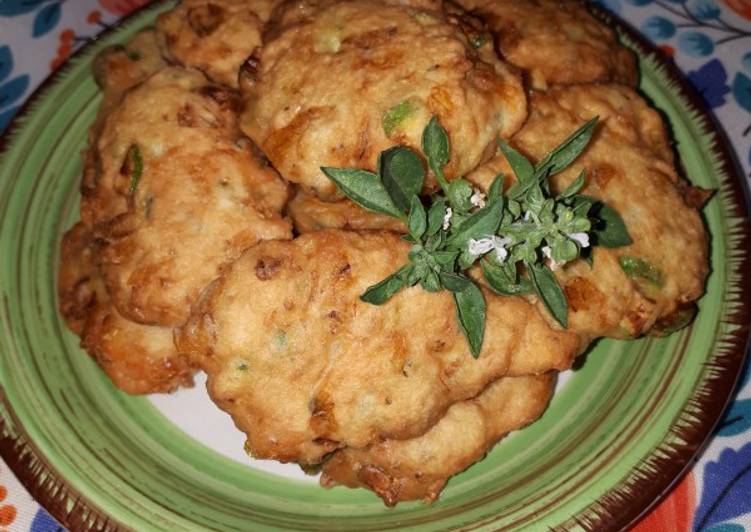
[[709, 41]]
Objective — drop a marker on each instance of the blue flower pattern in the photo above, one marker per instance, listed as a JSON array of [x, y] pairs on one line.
[[11, 88]]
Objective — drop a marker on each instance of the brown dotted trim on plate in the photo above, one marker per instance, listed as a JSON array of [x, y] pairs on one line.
[[43, 483], [650, 482], [38, 476]]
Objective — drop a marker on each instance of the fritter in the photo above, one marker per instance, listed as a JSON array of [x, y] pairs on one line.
[[121, 67], [305, 367], [418, 468], [214, 36], [117, 69], [309, 213], [337, 82], [630, 166], [556, 42], [137, 358], [178, 195]]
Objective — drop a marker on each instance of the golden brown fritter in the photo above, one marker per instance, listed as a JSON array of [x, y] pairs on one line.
[[117, 69], [305, 367], [137, 358], [309, 213], [336, 83], [178, 195], [630, 166], [215, 36], [556, 41], [418, 468], [120, 67]]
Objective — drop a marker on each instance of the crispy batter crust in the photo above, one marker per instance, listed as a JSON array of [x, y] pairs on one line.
[[305, 367], [556, 42], [309, 213], [215, 36], [630, 166], [329, 74], [202, 198], [418, 468], [139, 359]]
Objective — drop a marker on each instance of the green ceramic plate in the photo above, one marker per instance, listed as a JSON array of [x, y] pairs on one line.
[[620, 431]]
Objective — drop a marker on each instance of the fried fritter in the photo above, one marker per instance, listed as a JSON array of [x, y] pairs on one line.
[[556, 42], [178, 195], [137, 358], [309, 213], [630, 166], [215, 36], [418, 468], [121, 67], [338, 82], [305, 367], [117, 69]]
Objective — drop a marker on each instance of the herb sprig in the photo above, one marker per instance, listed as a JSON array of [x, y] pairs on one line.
[[519, 237]]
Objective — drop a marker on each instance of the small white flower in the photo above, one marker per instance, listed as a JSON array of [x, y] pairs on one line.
[[447, 218], [477, 247], [500, 250], [477, 199], [480, 246], [527, 216], [580, 238], [554, 264]]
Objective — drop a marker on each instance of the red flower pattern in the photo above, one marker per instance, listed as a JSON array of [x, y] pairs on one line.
[[742, 7], [122, 7], [676, 512]]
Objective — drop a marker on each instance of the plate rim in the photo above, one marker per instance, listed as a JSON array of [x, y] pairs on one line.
[[623, 504]]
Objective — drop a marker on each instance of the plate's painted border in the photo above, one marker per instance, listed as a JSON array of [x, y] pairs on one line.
[[620, 507], [33, 470]]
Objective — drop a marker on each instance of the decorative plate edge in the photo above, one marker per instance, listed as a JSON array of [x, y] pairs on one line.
[[38, 476], [652, 480]]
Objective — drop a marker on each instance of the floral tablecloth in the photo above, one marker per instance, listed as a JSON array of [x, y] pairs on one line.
[[709, 40]]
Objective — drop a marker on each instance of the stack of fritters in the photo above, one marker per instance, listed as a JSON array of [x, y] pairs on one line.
[[185, 233], [172, 193]]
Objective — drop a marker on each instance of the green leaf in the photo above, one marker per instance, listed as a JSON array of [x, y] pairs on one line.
[[435, 146], [402, 174], [638, 268], [378, 294], [610, 230], [575, 186], [503, 281], [470, 311], [481, 223], [514, 208], [417, 222], [135, 165], [550, 292], [454, 282], [521, 166], [431, 282], [416, 273], [674, 322], [435, 216], [459, 192], [397, 114], [466, 259], [567, 151], [496, 188], [365, 189], [445, 259]]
